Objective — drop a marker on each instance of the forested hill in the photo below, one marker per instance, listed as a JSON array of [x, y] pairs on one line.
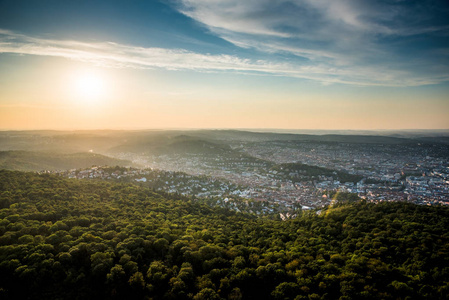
[[38, 161], [69, 239]]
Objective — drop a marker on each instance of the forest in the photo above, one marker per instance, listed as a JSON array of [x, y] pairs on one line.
[[74, 239], [38, 161]]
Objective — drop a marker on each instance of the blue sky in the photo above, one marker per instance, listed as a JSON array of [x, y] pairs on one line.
[[365, 51]]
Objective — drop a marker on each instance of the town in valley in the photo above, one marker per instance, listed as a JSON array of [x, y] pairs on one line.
[[260, 173]]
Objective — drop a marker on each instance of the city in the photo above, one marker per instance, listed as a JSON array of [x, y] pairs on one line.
[[285, 175]]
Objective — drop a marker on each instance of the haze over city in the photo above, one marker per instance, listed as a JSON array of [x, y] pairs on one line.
[[224, 64]]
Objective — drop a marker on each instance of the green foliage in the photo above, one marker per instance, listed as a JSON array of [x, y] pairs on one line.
[[300, 172], [344, 196], [76, 239], [38, 161]]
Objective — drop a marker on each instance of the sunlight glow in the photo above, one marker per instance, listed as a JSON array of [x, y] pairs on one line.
[[89, 87]]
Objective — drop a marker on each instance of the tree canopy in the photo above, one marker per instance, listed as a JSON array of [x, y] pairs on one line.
[[75, 239]]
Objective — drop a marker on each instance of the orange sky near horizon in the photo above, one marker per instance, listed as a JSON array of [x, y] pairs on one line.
[[55, 93]]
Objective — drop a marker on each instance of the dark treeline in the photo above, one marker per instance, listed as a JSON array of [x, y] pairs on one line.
[[69, 239], [295, 172]]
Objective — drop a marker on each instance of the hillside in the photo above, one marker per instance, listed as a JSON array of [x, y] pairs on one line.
[[168, 144], [38, 161], [103, 141], [76, 239], [62, 141], [326, 138]]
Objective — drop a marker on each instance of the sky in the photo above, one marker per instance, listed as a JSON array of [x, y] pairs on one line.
[[285, 64]]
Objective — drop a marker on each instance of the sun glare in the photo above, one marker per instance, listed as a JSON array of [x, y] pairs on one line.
[[89, 87]]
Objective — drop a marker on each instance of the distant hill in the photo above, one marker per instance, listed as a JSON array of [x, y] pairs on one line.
[[158, 141], [61, 141], [432, 140], [168, 144], [406, 133], [183, 145], [359, 139], [37, 161], [235, 135]]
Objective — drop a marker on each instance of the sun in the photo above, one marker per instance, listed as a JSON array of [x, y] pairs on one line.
[[89, 87]]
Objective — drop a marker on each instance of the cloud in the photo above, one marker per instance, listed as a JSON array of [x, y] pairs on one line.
[[305, 18], [393, 39], [114, 55]]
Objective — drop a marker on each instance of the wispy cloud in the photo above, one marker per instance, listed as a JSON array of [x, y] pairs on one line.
[[114, 55], [361, 37]]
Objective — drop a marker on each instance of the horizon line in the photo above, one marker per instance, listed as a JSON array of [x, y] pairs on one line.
[[265, 129]]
